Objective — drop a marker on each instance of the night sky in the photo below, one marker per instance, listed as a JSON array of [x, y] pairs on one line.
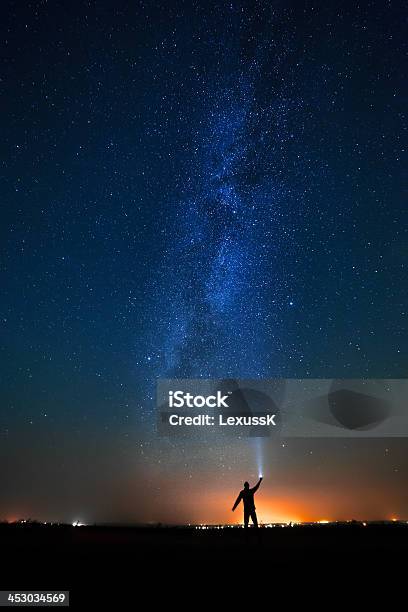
[[196, 189]]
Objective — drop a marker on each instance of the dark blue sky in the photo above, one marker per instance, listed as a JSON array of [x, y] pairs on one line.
[[190, 189]]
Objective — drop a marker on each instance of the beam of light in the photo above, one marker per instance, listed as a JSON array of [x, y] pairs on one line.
[[258, 444]]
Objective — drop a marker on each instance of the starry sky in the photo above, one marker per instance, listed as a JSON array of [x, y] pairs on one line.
[[196, 190]]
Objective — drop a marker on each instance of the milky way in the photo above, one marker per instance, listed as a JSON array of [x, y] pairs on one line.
[[227, 240]]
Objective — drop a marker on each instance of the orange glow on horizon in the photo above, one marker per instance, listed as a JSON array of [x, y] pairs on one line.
[[276, 504], [282, 506], [269, 510]]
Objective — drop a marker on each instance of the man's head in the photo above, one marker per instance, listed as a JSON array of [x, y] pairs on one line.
[[246, 485]]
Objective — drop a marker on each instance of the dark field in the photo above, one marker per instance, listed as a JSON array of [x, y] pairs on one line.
[[120, 560]]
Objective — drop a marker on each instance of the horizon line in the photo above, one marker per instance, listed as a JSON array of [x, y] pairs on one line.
[[321, 522]]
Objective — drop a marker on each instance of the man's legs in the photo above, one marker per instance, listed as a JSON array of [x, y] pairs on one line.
[[246, 519], [254, 518]]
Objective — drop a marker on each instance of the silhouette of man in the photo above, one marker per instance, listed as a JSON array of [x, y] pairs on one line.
[[247, 496]]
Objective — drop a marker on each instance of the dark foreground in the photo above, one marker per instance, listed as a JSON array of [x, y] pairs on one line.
[[101, 562]]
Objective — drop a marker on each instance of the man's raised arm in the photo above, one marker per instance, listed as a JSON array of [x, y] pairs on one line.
[[237, 501], [256, 487]]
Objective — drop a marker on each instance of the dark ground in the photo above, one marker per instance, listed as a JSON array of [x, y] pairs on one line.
[[116, 562]]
